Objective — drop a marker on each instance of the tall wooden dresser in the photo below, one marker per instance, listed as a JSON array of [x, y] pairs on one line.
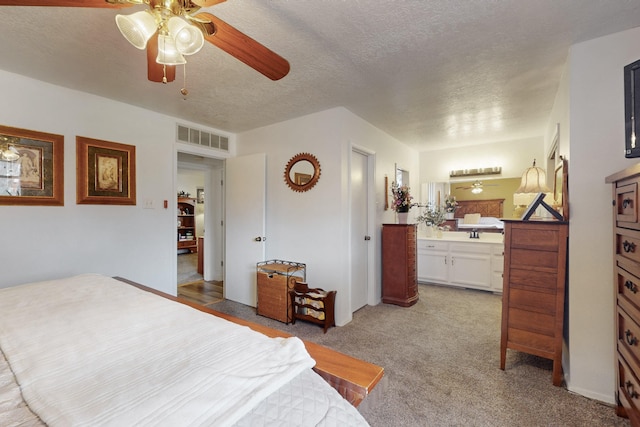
[[535, 264], [626, 283], [399, 270]]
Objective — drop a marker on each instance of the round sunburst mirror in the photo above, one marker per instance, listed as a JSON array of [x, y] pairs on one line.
[[302, 172]]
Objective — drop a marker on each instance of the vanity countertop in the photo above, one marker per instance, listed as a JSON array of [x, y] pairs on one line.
[[461, 236]]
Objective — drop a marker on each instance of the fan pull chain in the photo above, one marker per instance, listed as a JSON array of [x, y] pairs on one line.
[[184, 90], [164, 74]]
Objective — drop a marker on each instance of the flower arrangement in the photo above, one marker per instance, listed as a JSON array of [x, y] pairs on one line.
[[401, 198], [450, 204], [433, 216]]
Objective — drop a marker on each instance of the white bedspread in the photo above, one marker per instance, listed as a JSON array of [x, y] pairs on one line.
[[91, 350]]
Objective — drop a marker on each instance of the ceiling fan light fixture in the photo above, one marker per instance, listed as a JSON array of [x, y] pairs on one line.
[[168, 54], [137, 28], [476, 190], [9, 153], [188, 38]]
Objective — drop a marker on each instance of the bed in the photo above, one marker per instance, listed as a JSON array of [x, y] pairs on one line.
[[91, 350]]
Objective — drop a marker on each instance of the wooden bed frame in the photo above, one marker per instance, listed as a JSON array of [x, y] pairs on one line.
[[353, 378], [492, 207]]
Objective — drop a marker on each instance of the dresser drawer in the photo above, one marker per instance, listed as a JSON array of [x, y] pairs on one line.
[[627, 203], [628, 246], [629, 335], [628, 386], [540, 281], [628, 285], [526, 258], [541, 237]]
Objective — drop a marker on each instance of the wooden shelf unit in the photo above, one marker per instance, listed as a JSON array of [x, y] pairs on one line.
[[274, 280], [187, 224], [312, 305]]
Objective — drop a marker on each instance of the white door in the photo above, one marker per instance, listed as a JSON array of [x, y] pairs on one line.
[[359, 228], [244, 225]]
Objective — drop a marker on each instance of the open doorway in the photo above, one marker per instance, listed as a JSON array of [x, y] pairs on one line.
[[199, 240]]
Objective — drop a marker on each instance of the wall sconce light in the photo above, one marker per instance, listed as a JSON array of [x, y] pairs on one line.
[[475, 172]]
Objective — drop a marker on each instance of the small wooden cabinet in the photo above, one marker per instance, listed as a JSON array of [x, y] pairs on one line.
[[626, 291], [399, 275], [187, 224], [535, 261], [275, 278]]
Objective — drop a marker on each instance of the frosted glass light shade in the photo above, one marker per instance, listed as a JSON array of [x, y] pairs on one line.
[[167, 52], [188, 39], [476, 190], [137, 28]]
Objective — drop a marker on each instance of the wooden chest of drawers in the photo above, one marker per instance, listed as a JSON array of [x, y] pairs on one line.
[[399, 264], [626, 285], [535, 257]]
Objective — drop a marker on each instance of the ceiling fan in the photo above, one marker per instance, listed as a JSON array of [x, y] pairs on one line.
[[171, 29], [476, 187]]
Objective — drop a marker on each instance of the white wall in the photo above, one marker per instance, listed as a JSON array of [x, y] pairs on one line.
[[596, 150], [52, 242], [313, 227]]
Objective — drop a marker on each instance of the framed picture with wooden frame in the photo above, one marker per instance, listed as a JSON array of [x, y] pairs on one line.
[[106, 172], [31, 167]]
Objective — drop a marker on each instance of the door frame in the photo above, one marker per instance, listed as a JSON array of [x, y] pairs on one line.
[[210, 221], [371, 220]]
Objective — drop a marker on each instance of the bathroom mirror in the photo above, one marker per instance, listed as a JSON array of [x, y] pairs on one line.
[[302, 172]]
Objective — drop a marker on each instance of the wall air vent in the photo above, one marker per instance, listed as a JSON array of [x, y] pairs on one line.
[[202, 138]]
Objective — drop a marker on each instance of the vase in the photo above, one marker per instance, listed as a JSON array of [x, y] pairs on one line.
[[402, 217], [448, 215], [438, 232]]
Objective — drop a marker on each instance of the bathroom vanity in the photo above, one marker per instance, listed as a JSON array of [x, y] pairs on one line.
[[455, 259]]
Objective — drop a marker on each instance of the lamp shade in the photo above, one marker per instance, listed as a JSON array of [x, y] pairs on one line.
[[137, 28], [167, 52], [188, 39], [534, 180]]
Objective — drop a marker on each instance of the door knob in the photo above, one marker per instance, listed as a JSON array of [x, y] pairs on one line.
[[367, 237], [258, 239]]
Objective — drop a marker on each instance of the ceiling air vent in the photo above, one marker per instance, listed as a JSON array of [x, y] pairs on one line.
[[202, 138]]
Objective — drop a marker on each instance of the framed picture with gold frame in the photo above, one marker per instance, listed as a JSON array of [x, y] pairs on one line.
[[106, 172], [31, 167]]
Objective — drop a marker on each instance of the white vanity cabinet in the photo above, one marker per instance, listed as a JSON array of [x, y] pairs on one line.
[[469, 263]]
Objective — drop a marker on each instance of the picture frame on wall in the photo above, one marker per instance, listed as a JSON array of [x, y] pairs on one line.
[[31, 167], [106, 172], [200, 195]]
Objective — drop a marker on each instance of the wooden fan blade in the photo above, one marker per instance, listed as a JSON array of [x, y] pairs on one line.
[[244, 48], [65, 3], [207, 3], [155, 71]]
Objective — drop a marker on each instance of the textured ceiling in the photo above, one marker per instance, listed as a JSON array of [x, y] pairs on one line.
[[431, 73]]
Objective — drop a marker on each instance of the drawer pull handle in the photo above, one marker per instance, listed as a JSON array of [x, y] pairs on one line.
[[631, 286], [631, 340], [628, 246], [626, 203], [630, 391]]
